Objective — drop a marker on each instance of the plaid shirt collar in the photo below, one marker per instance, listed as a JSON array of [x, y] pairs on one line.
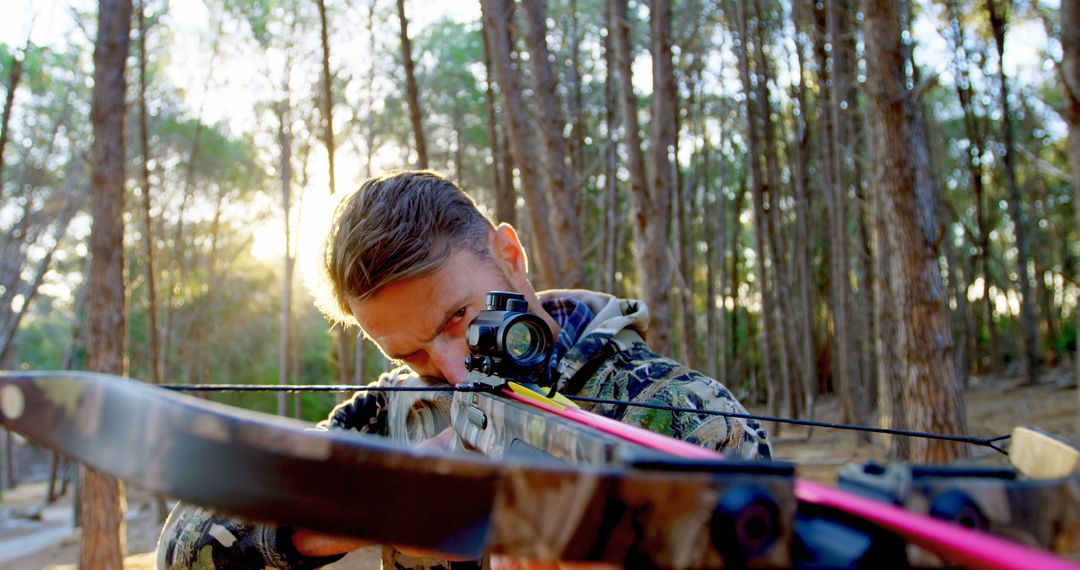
[[573, 316]]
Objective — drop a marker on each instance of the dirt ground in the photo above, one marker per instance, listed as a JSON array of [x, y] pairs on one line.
[[35, 536]]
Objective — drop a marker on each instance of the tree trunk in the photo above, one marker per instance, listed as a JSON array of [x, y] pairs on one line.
[[328, 92], [803, 250], [1016, 207], [285, 172], [611, 161], [14, 77], [836, 205], [575, 106], [369, 121], [1044, 273], [769, 337], [102, 496], [359, 371], [148, 226], [657, 275], [561, 190], [497, 15], [327, 108], [502, 179], [161, 512], [901, 179], [412, 94], [889, 370], [958, 286], [784, 347], [683, 207], [735, 354], [716, 247], [1070, 73], [976, 136], [650, 202]]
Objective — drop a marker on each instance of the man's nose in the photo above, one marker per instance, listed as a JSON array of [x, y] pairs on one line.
[[450, 362]]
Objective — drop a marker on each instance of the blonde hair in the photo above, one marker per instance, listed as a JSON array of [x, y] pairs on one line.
[[397, 226]]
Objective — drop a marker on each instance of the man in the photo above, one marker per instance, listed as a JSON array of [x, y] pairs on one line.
[[409, 260]]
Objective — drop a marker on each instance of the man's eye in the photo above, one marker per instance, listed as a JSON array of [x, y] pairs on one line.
[[460, 314]]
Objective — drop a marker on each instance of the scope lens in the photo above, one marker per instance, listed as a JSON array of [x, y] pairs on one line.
[[522, 342]]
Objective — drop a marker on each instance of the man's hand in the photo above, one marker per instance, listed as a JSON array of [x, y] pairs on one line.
[[507, 563], [440, 442], [311, 543]]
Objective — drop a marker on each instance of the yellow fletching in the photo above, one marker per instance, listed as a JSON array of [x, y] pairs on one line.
[[559, 401]]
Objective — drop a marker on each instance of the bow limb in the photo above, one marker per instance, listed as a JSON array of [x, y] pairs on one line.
[[531, 426], [266, 468]]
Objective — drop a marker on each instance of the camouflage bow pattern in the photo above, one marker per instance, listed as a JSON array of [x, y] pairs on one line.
[[636, 506]]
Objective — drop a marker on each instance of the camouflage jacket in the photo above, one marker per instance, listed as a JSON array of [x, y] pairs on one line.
[[609, 360]]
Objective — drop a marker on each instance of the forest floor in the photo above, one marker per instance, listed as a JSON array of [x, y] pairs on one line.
[[34, 536]]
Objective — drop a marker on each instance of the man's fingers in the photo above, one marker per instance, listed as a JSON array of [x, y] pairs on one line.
[[311, 543]]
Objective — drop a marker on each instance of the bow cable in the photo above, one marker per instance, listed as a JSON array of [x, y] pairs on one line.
[[991, 442]]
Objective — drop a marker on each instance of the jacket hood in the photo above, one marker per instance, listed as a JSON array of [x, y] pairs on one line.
[[611, 317]]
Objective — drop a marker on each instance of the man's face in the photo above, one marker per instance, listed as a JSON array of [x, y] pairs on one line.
[[422, 321]]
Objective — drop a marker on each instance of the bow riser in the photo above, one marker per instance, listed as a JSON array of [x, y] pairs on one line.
[[1043, 513], [592, 526], [262, 467], [822, 511], [641, 512], [255, 465]]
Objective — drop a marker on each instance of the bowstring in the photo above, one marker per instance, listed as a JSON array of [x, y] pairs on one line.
[[991, 442]]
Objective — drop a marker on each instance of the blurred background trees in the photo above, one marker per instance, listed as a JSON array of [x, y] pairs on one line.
[[810, 207]]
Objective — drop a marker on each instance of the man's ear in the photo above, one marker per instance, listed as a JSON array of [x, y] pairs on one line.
[[508, 252]]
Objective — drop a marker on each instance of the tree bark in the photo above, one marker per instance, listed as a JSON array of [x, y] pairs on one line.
[[901, 178], [687, 202], [716, 247], [889, 370], [836, 206], [496, 16], [611, 160], [734, 355], [575, 106], [656, 266], [502, 179], [784, 347], [103, 496], [369, 121], [1070, 73], [412, 93], [803, 250], [328, 92], [650, 241], [561, 191], [285, 318], [148, 226], [341, 336], [14, 77], [976, 135], [1016, 208], [768, 338]]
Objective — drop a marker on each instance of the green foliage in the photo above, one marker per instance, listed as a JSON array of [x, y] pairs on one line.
[[220, 303], [220, 158], [256, 13], [43, 338], [450, 78]]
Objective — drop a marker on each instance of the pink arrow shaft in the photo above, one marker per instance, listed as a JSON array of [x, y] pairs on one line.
[[952, 542]]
